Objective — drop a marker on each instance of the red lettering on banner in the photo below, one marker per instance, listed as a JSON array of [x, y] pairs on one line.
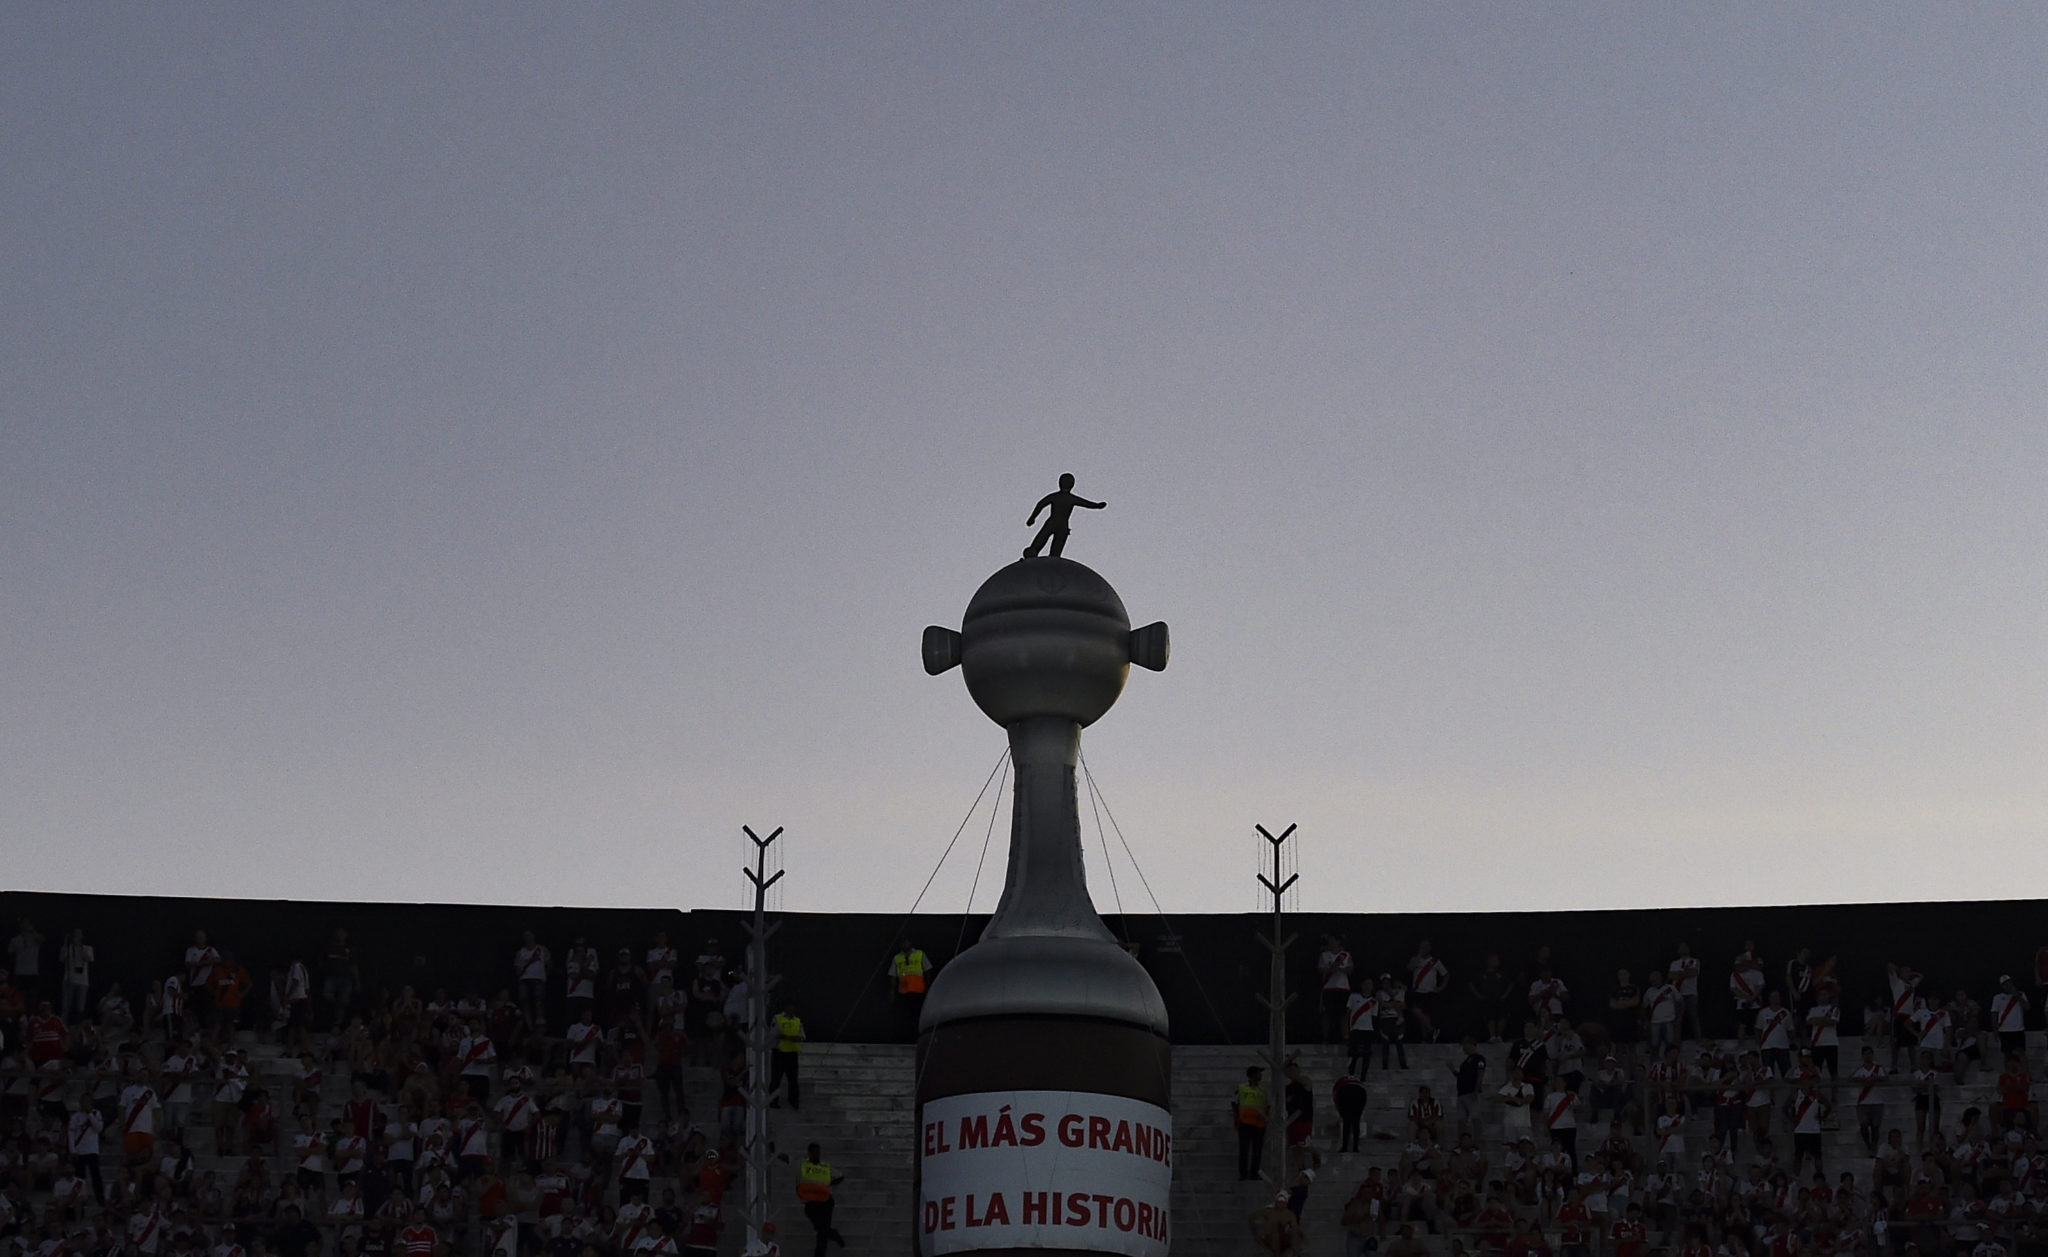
[[1034, 1209], [1033, 1126], [998, 1213], [935, 1139], [970, 1219], [974, 1131], [1070, 1129], [946, 1214], [931, 1216], [1145, 1221], [1141, 1142], [1098, 1132], [1122, 1142], [1102, 1204], [1005, 1132], [1126, 1214], [1077, 1210]]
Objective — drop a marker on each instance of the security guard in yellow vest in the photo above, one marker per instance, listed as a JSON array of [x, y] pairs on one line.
[[910, 968], [814, 1183], [1248, 1112], [789, 1041]]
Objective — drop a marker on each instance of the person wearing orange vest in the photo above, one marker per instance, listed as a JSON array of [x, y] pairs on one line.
[[910, 969], [1248, 1113], [782, 1065], [814, 1183]]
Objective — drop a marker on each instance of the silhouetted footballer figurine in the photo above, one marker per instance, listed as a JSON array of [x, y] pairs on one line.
[[1060, 508]]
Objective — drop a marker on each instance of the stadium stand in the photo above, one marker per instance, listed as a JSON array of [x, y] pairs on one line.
[[284, 1081]]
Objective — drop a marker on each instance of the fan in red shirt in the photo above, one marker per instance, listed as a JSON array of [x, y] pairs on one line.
[[1575, 1225], [360, 1112], [1629, 1237], [1527, 1241], [711, 1181], [418, 1239], [46, 1034], [1494, 1224]]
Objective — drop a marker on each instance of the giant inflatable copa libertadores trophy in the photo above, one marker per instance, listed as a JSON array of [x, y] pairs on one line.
[[1042, 1058]]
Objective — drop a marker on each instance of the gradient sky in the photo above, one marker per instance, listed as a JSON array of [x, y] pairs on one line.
[[1589, 456]]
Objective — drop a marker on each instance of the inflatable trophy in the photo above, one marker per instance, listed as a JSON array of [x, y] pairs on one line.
[[1042, 1058]]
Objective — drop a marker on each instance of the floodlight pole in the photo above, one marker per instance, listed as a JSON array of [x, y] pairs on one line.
[[757, 1150], [1276, 1011]]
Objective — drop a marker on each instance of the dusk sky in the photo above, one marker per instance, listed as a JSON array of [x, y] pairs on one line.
[[1589, 456]]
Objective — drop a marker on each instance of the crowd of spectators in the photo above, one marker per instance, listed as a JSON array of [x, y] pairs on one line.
[[1619, 1124], [204, 1116]]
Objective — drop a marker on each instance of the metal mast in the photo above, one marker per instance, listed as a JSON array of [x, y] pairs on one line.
[[756, 1149], [1276, 1003]]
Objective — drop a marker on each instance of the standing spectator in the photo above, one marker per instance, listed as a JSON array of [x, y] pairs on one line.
[[82, 1136], [1869, 1104], [2009, 1017], [1625, 1012], [200, 958], [475, 1056], [1664, 1007], [1248, 1116], [1493, 993], [1823, 1022], [1807, 1111], [1560, 1116], [1470, 1074], [1348, 1096], [1361, 1010], [1684, 973], [623, 989], [1774, 1033], [782, 1066], [139, 1110], [1547, 995], [530, 967], [1799, 980], [229, 1085], [298, 1002], [231, 983], [634, 1155], [74, 967], [1531, 1055], [1298, 1096], [1746, 985], [338, 979], [180, 1067], [1390, 1019], [579, 976], [1334, 966], [1905, 989], [170, 1008], [663, 962], [46, 1035], [25, 958], [1671, 1133], [2015, 1095], [1427, 977], [1517, 1098], [584, 1037]]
